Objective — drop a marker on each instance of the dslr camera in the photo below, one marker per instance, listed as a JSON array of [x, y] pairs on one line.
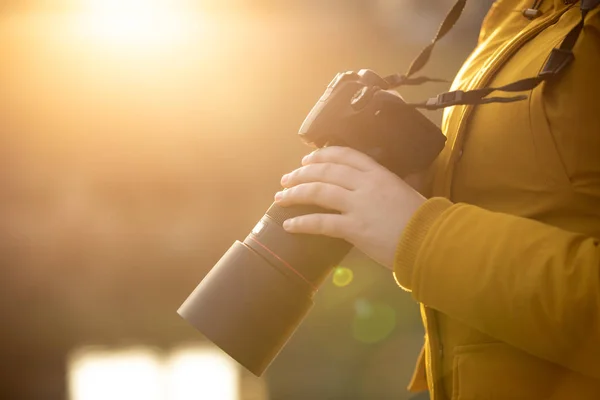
[[251, 302]]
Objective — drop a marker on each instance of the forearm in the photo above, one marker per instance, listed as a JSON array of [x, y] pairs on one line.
[[528, 284]]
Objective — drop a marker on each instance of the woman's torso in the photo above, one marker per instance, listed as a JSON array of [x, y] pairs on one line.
[[539, 159]]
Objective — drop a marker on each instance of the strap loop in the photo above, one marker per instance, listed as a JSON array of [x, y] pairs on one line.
[[557, 61]]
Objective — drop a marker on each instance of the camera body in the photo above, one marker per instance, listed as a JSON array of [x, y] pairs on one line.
[[357, 111], [254, 298]]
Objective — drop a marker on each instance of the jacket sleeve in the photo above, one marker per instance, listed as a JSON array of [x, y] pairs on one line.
[[531, 285]]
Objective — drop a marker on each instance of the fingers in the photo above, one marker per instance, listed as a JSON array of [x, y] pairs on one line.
[[341, 155], [333, 225], [324, 195], [336, 174]]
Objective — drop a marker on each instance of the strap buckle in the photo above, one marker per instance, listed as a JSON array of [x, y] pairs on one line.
[[446, 99], [557, 61], [531, 13]]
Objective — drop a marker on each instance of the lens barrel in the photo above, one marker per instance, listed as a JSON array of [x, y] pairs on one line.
[[258, 293]]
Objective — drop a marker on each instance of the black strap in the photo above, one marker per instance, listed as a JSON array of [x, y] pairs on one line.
[[558, 59], [423, 57]]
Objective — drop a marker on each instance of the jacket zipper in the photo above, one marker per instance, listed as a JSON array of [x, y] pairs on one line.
[[435, 353]]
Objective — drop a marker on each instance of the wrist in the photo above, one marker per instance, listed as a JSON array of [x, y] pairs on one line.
[[413, 236]]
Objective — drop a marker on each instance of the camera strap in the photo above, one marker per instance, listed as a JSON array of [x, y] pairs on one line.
[[558, 59]]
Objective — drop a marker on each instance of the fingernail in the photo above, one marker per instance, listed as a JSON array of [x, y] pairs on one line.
[[305, 159], [287, 223], [278, 196], [284, 179]]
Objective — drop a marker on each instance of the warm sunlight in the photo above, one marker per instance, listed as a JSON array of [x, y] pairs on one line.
[[188, 373], [118, 375], [201, 373], [129, 5], [145, 23]]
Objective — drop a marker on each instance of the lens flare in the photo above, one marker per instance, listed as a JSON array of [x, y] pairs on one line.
[[342, 276], [373, 321]]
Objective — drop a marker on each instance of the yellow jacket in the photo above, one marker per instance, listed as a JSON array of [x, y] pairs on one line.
[[504, 258]]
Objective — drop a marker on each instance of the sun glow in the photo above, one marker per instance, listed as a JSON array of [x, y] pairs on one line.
[[145, 23]]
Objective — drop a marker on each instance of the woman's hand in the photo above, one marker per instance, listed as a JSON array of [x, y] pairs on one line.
[[374, 204]]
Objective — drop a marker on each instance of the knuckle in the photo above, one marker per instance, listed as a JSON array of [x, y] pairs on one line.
[[297, 223], [327, 226], [328, 153], [316, 154], [334, 229], [344, 151], [295, 175], [319, 223], [306, 172], [305, 191], [325, 169], [318, 190], [293, 192], [300, 192]]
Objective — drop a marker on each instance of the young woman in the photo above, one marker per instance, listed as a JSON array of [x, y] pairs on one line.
[[502, 253]]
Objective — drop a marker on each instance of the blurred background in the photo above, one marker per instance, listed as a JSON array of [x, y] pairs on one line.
[[139, 139]]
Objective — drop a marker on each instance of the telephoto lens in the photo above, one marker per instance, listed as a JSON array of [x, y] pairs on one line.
[[257, 294]]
